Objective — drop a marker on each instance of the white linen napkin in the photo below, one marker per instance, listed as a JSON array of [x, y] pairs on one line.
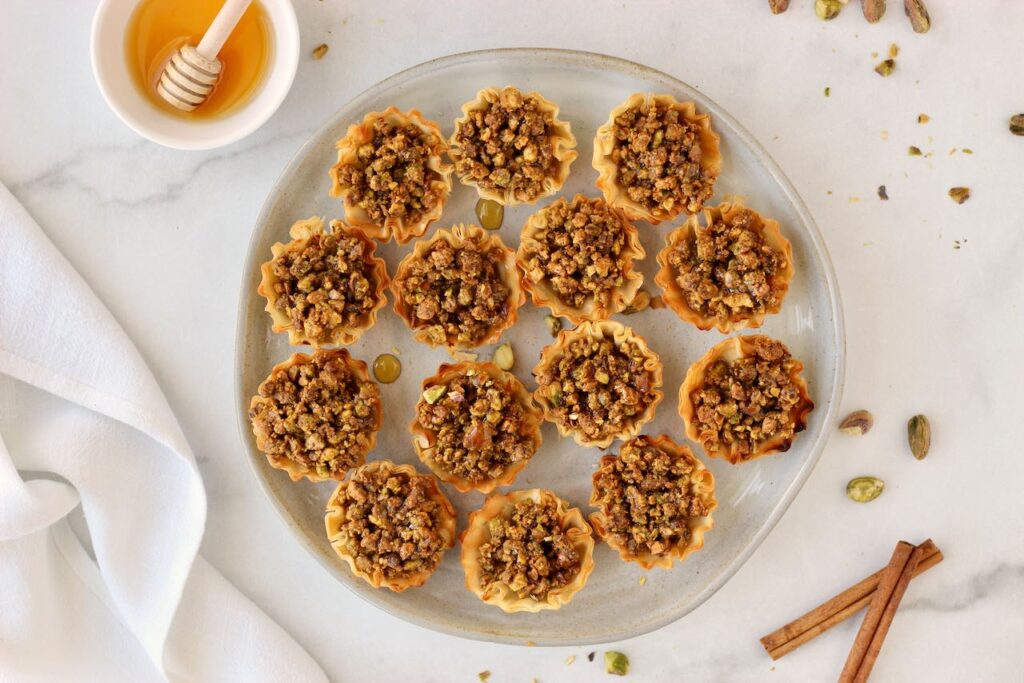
[[82, 421]]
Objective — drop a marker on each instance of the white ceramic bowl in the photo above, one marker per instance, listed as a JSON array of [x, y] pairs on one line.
[[110, 67]]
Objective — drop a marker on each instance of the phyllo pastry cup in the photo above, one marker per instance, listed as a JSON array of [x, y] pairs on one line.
[[325, 286], [745, 399], [598, 382], [390, 524], [317, 416], [577, 259], [527, 551], [476, 426], [654, 501], [392, 175], [511, 146], [656, 158], [458, 289], [730, 273]]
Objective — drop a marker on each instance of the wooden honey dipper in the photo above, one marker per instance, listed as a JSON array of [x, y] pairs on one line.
[[192, 72]]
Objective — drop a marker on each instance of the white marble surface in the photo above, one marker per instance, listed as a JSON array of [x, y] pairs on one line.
[[160, 235]]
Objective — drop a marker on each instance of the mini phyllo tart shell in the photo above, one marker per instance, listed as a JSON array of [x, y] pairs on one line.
[[317, 416], [476, 426], [745, 399], [577, 259], [540, 569], [512, 164], [390, 524], [656, 158], [392, 175], [598, 382], [324, 287], [738, 268], [654, 501], [459, 289]]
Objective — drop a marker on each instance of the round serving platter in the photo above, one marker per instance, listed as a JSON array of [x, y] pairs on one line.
[[752, 496]]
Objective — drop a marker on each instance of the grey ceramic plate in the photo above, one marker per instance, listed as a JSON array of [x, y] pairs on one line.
[[752, 497]]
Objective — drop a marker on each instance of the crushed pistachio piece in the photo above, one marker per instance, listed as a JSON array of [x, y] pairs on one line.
[[894, 50], [433, 394], [504, 357], [923, 118], [570, 659], [885, 67], [320, 50], [914, 151], [643, 580], [882, 194], [484, 676], [960, 194], [554, 324], [828, 91], [967, 150], [918, 15], [616, 663], [827, 9], [864, 489], [919, 435], [859, 422]]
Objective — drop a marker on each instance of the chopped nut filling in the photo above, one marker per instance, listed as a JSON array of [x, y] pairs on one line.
[[391, 177], [597, 387], [507, 145], [647, 498], [392, 524], [479, 425], [317, 413], [658, 155], [726, 269], [579, 252], [529, 551], [326, 285], [748, 400], [456, 294]]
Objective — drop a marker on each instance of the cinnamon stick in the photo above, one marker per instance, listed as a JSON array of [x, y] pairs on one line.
[[834, 611], [881, 611]]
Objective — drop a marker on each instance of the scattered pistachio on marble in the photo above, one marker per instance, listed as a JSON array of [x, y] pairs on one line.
[[858, 422], [923, 118], [616, 663], [882, 194], [914, 151], [918, 15], [320, 50], [778, 6], [873, 10], [1017, 124], [484, 676], [864, 489], [504, 357], [919, 435], [827, 9], [885, 67], [960, 194]]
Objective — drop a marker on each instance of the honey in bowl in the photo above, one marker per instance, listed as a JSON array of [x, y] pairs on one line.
[[159, 27]]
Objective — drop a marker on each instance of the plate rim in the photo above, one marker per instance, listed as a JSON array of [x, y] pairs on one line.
[[591, 60]]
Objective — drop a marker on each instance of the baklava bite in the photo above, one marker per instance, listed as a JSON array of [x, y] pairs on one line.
[[391, 174], [476, 426], [577, 259], [511, 146], [317, 416], [459, 289], [598, 382], [390, 524], [654, 501], [325, 286], [657, 158], [729, 273], [745, 399], [527, 551]]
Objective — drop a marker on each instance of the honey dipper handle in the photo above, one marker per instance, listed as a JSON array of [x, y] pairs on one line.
[[222, 26]]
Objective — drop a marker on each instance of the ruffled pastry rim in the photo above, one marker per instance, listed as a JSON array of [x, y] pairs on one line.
[[301, 232], [423, 439], [458, 236], [359, 134], [334, 517], [296, 470], [546, 297], [608, 171], [730, 349], [599, 330], [499, 593], [674, 296], [563, 143], [697, 525]]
